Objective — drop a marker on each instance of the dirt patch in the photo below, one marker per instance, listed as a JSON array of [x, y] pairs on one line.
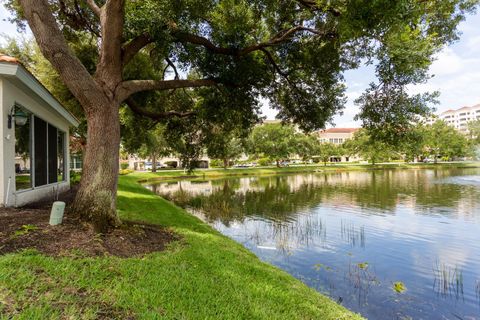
[[28, 228]]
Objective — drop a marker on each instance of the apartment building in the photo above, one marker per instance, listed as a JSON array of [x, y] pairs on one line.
[[459, 118]]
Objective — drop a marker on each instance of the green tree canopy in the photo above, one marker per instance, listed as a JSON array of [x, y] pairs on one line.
[[327, 150], [306, 146], [273, 140], [225, 146], [442, 140], [474, 131], [368, 147]]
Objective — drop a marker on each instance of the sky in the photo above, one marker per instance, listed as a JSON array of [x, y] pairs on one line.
[[456, 73]]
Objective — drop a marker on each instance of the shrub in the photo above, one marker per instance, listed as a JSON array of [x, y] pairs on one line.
[[124, 165], [125, 172]]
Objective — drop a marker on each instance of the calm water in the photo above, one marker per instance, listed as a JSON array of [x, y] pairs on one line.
[[352, 235]]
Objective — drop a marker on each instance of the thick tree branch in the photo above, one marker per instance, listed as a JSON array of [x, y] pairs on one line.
[[93, 6], [198, 40], [281, 37], [110, 66], [130, 49], [135, 107], [127, 88], [54, 47]]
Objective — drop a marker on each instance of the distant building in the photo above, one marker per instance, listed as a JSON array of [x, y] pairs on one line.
[[336, 135], [459, 118]]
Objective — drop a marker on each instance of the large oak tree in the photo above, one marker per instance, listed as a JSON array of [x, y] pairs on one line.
[[291, 52]]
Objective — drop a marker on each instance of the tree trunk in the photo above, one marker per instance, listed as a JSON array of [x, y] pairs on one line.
[[154, 163], [278, 163], [225, 163], [96, 198]]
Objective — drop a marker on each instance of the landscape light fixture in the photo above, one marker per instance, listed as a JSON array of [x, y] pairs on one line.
[[20, 117]]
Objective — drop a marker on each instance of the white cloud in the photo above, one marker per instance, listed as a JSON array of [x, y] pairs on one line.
[[447, 63], [473, 43]]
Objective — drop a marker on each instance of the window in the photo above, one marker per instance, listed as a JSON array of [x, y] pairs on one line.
[[76, 162], [49, 156], [46, 154], [23, 148]]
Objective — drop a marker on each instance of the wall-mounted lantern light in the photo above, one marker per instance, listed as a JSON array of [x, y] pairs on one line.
[[20, 117]]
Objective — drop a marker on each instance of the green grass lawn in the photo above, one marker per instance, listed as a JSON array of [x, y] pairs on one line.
[[203, 276]]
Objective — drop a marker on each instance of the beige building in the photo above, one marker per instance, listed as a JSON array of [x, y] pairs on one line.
[[34, 145], [336, 135], [459, 118]]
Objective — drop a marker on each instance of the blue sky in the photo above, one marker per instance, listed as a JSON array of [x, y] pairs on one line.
[[456, 73]]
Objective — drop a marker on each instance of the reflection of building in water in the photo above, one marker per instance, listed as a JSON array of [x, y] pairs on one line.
[[194, 188]]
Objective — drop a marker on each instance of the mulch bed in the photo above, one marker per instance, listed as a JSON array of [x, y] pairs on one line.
[[25, 228]]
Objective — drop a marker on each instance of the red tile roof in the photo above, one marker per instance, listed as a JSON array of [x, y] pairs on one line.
[[339, 130], [5, 58]]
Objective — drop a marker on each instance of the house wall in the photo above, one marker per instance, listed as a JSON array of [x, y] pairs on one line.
[[11, 94], [3, 138]]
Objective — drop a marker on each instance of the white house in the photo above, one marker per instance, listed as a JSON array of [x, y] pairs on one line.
[[34, 145]]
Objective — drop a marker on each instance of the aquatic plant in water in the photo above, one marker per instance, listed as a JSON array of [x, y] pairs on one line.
[[361, 279], [477, 290], [448, 280], [362, 265], [320, 266], [399, 287]]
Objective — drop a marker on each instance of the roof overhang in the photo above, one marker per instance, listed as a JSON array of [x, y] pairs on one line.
[[16, 70]]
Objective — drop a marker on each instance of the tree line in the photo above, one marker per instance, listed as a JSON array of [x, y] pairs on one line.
[[275, 143]]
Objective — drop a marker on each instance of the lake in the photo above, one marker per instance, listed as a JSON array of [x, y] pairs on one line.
[[388, 244]]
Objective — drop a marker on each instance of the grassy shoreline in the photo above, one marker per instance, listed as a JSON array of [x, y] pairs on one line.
[[143, 177], [203, 276]]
